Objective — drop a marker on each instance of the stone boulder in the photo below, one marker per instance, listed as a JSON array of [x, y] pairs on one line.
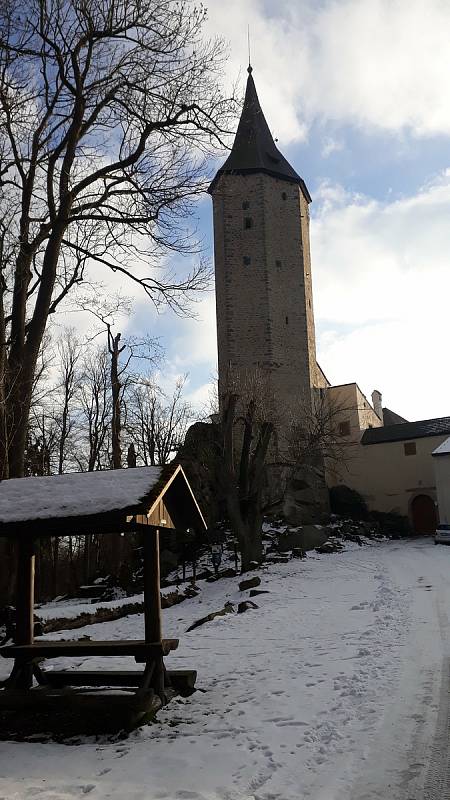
[[245, 606], [249, 583], [306, 537]]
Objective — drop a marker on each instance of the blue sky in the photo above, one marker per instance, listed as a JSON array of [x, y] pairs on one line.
[[356, 91]]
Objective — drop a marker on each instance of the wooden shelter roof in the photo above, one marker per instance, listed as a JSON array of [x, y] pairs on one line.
[[98, 501]]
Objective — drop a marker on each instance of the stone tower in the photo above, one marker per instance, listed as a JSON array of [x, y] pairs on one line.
[[262, 263]]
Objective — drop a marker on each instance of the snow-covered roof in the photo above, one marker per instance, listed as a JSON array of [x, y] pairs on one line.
[[443, 449], [75, 494]]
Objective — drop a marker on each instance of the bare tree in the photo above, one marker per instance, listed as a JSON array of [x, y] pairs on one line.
[[314, 436], [69, 351], [158, 423], [95, 406], [247, 428], [109, 111]]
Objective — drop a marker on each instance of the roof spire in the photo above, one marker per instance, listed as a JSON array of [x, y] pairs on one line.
[[249, 68], [254, 149]]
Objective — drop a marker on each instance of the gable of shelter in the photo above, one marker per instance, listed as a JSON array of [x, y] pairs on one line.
[[100, 501]]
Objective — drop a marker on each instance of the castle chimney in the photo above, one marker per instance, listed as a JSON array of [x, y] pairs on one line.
[[377, 403]]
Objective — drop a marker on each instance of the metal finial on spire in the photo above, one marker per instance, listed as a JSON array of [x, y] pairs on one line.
[[249, 68]]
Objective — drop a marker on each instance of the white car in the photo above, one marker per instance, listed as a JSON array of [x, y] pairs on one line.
[[442, 535]]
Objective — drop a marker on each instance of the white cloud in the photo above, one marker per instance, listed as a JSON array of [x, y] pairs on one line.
[[195, 340], [382, 287], [375, 63], [330, 146], [381, 293]]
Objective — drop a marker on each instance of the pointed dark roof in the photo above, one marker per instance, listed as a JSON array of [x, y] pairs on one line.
[[254, 149]]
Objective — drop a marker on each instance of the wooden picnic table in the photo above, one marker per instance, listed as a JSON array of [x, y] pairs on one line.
[[140, 649]]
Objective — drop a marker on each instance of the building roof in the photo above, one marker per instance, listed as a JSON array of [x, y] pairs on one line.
[[79, 499], [254, 149], [407, 430], [443, 449], [391, 418]]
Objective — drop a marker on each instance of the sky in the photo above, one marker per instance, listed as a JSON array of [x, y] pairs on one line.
[[357, 94]]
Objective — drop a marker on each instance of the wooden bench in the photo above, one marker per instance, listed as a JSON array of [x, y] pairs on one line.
[[77, 710], [27, 658], [182, 680], [141, 650]]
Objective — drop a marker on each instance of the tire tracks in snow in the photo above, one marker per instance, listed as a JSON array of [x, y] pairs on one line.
[[437, 785]]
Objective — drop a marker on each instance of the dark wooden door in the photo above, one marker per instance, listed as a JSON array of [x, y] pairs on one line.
[[423, 514]]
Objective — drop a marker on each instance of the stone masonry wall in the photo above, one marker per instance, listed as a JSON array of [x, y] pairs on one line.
[[265, 314]]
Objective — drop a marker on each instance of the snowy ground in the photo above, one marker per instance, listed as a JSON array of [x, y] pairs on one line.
[[329, 690]]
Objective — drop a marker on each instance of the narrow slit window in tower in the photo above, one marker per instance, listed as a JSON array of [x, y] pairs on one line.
[[245, 205], [287, 320], [248, 222], [247, 261]]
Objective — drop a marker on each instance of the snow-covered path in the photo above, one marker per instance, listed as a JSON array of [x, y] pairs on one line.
[[329, 690]]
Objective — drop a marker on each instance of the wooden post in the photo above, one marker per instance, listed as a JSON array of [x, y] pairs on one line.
[[152, 589], [25, 592], [22, 674], [152, 606]]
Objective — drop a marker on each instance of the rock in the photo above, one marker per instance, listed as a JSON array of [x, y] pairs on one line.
[[245, 605], [190, 591], [255, 592], [204, 575], [249, 583], [308, 537], [274, 559], [227, 573], [298, 552], [227, 609], [330, 547]]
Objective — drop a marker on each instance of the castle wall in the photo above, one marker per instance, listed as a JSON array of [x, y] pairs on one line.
[[388, 478], [265, 316]]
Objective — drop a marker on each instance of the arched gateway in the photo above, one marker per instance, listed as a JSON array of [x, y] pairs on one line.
[[423, 512]]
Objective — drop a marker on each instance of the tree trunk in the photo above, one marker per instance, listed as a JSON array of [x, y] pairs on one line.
[[115, 351], [55, 565]]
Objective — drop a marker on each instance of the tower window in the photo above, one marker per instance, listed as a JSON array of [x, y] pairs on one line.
[[410, 448], [248, 222], [278, 264], [284, 195], [245, 205], [247, 261], [287, 320]]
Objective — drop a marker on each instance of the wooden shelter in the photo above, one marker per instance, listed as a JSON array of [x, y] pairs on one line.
[[142, 499]]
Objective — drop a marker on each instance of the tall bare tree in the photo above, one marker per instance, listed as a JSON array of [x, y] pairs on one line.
[[108, 111], [69, 352], [158, 423], [247, 422]]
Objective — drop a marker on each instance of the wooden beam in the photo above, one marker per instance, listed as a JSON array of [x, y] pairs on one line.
[[56, 649], [152, 588], [25, 592], [152, 606]]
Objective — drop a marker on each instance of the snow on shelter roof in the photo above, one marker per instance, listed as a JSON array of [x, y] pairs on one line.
[[79, 500], [75, 493], [443, 449]]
